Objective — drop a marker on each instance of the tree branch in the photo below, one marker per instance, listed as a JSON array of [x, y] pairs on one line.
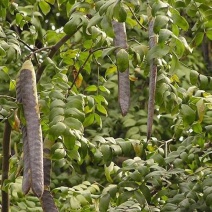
[[5, 164], [54, 49]]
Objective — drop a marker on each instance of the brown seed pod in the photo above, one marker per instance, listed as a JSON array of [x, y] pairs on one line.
[[26, 184], [27, 96]]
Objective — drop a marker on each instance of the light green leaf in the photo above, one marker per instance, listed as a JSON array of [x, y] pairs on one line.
[[45, 7], [98, 120], [201, 109], [101, 109], [88, 120], [91, 88], [104, 89], [111, 70], [209, 33]]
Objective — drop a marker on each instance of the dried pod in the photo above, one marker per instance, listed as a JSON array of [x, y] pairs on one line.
[[27, 96]]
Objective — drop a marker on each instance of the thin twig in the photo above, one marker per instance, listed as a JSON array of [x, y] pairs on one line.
[[31, 49], [136, 19], [7, 97], [42, 49], [83, 65], [5, 164]]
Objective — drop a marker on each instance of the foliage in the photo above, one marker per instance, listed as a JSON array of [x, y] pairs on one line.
[[102, 161]]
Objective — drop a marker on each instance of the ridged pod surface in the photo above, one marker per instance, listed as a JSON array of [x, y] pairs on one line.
[[47, 202], [32, 134]]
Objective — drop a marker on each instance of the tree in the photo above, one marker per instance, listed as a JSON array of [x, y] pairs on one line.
[[151, 58]]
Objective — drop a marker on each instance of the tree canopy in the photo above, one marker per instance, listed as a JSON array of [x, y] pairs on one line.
[[123, 89]]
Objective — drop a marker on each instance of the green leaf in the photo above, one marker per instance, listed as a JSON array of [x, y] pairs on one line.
[[201, 109], [74, 124], [108, 171], [88, 44], [2, 52], [126, 147], [58, 154], [188, 114], [179, 20], [146, 192], [88, 120], [209, 33], [104, 89], [105, 6], [119, 12], [96, 19], [157, 6], [73, 24], [74, 112], [107, 26], [91, 88], [203, 81], [57, 103], [55, 112], [160, 22], [50, 1], [99, 99], [106, 152], [58, 129], [104, 202], [69, 139], [157, 52], [108, 51], [194, 77], [45, 7], [197, 128], [140, 197], [12, 85], [198, 38], [98, 120], [111, 70], [74, 203], [101, 109]]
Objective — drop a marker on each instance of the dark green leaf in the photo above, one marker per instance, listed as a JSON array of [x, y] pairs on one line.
[[104, 202]]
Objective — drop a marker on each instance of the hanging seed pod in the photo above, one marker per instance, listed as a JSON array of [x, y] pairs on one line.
[[33, 147]]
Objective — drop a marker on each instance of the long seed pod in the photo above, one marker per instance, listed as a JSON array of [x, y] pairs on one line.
[[152, 81], [47, 202], [27, 95], [26, 184], [120, 40]]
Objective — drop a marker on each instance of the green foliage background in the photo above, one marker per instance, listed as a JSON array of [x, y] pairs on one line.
[[101, 161]]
